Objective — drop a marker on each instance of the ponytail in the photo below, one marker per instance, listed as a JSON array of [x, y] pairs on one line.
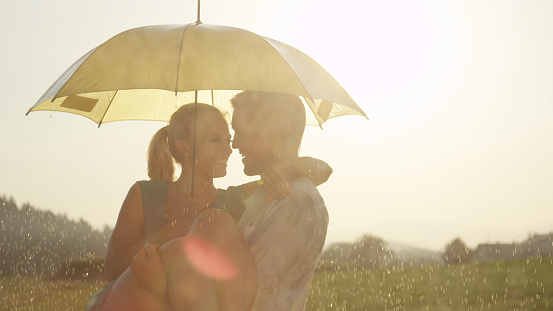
[[160, 160]]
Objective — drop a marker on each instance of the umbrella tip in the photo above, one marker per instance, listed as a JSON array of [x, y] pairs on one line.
[[198, 20]]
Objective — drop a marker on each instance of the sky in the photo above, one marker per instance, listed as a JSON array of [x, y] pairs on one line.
[[459, 95]]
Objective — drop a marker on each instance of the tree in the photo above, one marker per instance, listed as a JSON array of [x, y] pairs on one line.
[[457, 252], [367, 252], [371, 252]]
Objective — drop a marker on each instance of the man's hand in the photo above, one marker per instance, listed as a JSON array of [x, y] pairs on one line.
[[275, 179], [148, 272]]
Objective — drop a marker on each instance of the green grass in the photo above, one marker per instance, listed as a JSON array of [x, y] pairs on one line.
[[510, 285], [44, 294]]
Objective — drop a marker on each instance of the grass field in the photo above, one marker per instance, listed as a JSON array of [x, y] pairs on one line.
[[44, 294], [510, 285]]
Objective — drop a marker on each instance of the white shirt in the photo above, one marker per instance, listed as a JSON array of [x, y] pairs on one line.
[[286, 238]]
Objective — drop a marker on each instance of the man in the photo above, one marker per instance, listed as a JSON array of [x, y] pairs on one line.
[[286, 236]]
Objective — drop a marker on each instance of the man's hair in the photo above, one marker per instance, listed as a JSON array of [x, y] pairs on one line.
[[285, 111]]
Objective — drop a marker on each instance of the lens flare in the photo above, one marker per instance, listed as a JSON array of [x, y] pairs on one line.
[[209, 260]]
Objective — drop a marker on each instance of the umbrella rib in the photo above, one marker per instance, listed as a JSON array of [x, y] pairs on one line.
[[297, 77], [284, 59], [178, 63], [105, 112], [74, 72]]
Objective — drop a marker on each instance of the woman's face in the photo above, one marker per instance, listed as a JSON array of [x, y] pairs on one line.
[[212, 145]]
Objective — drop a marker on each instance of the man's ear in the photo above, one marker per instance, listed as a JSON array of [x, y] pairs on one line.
[[183, 149], [275, 136], [273, 132]]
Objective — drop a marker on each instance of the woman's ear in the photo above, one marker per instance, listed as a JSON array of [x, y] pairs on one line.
[[183, 149]]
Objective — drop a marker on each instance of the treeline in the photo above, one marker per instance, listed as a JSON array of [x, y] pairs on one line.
[[538, 245], [40, 243], [370, 252]]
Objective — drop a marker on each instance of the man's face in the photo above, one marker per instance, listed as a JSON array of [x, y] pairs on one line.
[[252, 142]]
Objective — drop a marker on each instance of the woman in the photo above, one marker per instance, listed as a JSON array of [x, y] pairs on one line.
[[160, 217]]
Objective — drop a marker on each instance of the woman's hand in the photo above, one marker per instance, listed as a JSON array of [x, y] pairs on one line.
[[275, 179], [148, 272]]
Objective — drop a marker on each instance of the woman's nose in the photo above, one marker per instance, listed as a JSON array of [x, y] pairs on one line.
[[228, 149]]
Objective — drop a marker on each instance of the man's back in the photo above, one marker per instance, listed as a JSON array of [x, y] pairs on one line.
[[286, 238]]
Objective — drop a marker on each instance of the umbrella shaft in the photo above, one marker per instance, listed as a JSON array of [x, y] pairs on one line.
[[194, 143], [198, 20]]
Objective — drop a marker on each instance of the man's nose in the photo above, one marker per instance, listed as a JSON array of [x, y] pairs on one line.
[[234, 142]]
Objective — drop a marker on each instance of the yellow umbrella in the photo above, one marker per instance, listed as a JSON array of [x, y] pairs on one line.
[[148, 72]]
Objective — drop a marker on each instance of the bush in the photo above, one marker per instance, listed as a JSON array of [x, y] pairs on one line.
[[457, 252], [82, 269]]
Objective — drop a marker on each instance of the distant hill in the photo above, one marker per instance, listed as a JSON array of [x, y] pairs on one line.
[[409, 254], [37, 243]]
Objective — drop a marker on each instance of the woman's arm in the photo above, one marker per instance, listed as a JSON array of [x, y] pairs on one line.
[[274, 179], [127, 235], [318, 171]]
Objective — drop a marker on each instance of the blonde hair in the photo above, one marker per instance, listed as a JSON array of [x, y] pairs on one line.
[[160, 160], [162, 153]]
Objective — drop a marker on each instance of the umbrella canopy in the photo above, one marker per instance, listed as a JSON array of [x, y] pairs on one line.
[[148, 72]]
